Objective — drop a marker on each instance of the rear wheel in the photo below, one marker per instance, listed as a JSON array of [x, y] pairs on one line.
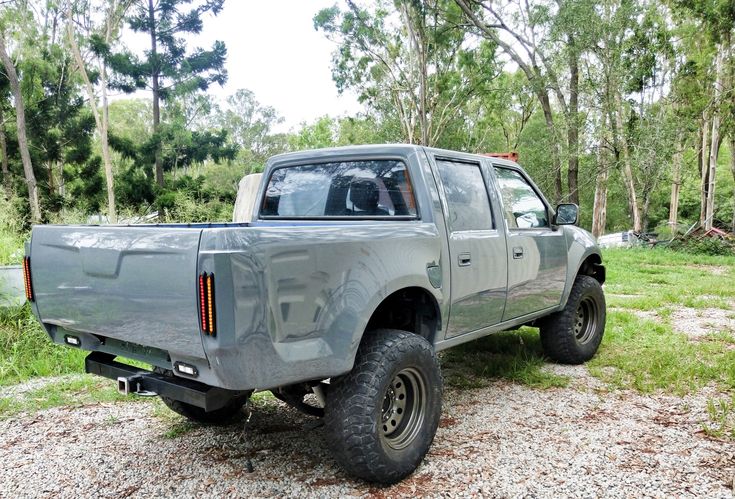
[[230, 413], [382, 416], [573, 335]]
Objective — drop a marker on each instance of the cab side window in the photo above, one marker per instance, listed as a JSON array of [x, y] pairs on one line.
[[464, 187], [522, 207]]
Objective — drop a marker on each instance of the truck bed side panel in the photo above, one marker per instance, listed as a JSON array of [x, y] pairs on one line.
[[293, 302]]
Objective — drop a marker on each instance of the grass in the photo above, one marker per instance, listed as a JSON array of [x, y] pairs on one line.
[[644, 354], [721, 414], [72, 392], [11, 235], [27, 352], [513, 356]]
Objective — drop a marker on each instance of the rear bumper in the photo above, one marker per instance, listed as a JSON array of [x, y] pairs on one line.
[[192, 392]]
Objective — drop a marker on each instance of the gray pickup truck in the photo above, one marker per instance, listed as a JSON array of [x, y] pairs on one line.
[[359, 266]]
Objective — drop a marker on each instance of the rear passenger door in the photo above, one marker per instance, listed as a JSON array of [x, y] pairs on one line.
[[537, 254], [476, 248]]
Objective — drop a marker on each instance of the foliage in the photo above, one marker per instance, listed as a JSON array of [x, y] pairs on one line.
[[179, 72], [704, 246], [27, 352], [407, 64]]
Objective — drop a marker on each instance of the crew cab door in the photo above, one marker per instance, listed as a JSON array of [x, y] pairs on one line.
[[476, 248], [537, 253]]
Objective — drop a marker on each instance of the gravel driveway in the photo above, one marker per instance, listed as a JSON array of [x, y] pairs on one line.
[[505, 440]]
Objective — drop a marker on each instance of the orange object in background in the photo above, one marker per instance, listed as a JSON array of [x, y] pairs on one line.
[[513, 156]]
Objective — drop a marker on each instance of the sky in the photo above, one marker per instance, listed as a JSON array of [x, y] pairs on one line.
[[274, 50]]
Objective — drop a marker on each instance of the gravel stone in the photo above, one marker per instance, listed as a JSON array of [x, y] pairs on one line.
[[504, 440]]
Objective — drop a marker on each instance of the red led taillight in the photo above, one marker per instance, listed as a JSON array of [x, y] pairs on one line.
[[27, 278], [206, 303]]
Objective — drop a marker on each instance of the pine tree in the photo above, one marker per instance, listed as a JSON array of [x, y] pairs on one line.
[[168, 68]]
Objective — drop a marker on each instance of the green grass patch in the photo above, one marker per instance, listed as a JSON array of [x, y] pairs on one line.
[[648, 354], [721, 413], [27, 352], [514, 356], [72, 392]]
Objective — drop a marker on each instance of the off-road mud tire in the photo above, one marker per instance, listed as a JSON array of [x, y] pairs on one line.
[[382, 416], [573, 335]]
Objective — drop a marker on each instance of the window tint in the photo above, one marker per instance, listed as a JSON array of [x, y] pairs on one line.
[[523, 208], [469, 206], [349, 188]]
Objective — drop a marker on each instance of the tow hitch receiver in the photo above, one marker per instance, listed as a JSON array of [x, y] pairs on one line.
[[132, 384], [142, 382]]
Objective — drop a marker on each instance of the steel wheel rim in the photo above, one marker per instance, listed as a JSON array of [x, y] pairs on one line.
[[403, 410], [585, 320]]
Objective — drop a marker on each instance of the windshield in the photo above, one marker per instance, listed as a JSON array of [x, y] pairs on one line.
[[372, 189]]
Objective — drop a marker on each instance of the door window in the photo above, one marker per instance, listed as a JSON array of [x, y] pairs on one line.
[[464, 187], [522, 207]]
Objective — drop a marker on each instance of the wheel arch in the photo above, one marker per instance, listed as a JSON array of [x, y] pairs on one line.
[[412, 308], [589, 262]]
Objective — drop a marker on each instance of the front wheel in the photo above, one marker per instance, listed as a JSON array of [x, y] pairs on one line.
[[382, 416], [573, 335]]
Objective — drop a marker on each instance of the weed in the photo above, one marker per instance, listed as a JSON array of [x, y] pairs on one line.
[[179, 428], [721, 413]]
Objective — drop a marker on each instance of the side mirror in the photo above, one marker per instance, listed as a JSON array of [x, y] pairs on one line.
[[566, 214]]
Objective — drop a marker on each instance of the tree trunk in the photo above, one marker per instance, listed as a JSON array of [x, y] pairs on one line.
[[543, 97], [704, 167], [676, 183], [599, 208], [573, 123], [4, 159], [20, 117], [156, 92], [99, 122], [715, 147], [627, 167], [732, 168]]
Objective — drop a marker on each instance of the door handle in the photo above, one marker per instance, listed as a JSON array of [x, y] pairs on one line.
[[465, 260], [517, 252]]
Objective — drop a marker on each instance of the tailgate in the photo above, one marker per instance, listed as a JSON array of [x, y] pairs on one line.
[[136, 284]]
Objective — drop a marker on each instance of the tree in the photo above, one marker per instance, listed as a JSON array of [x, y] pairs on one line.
[[20, 117], [250, 124], [408, 62], [167, 69], [101, 36], [4, 144]]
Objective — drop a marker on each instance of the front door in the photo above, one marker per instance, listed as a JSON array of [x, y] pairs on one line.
[[476, 249], [537, 253]]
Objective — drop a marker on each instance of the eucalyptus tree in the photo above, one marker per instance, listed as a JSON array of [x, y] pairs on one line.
[[409, 60], [100, 28], [536, 36], [13, 17], [250, 124], [716, 19]]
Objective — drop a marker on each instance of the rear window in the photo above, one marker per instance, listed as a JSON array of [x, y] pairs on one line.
[[366, 189]]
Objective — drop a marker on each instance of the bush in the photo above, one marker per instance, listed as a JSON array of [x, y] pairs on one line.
[[704, 246]]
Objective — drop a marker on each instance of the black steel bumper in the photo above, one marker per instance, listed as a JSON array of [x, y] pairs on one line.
[[192, 392]]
